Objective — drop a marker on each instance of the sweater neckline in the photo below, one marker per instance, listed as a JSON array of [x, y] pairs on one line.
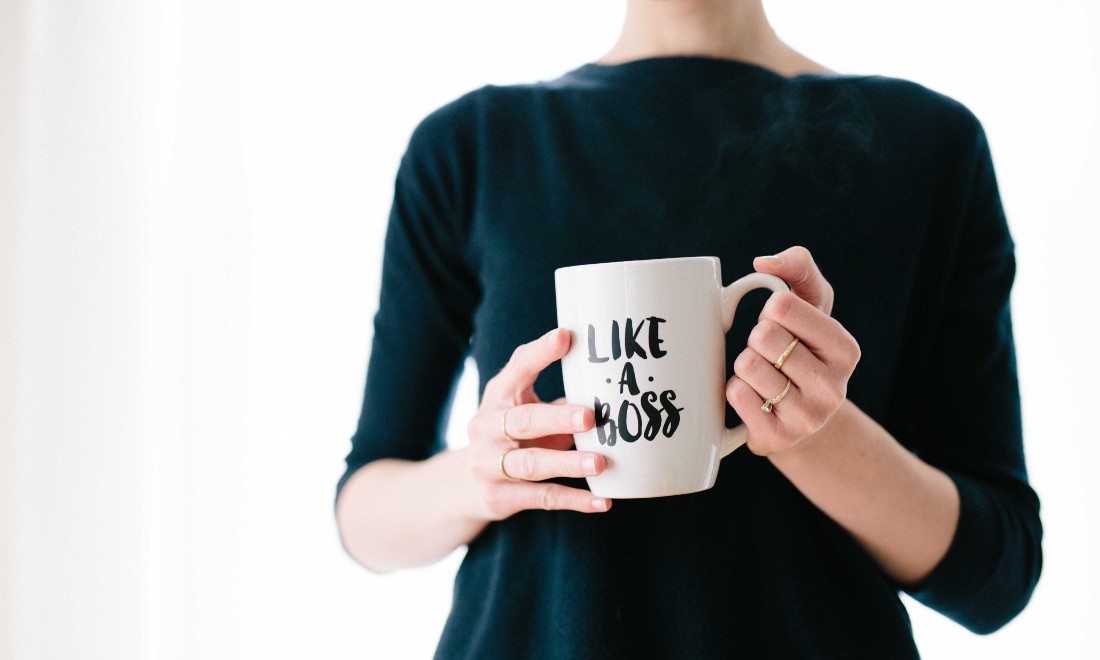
[[665, 69]]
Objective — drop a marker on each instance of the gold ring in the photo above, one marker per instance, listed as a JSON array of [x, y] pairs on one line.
[[504, 425], [501, 465], [783, 356], [767, 407]]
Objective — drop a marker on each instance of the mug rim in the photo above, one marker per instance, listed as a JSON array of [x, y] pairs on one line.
[[638, 262]]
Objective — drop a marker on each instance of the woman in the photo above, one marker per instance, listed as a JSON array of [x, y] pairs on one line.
[[701, 133]]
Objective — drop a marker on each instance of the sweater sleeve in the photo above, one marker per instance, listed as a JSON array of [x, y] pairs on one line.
[[969, 422], [423, 323]]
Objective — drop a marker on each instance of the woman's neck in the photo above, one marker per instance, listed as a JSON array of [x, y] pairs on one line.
[[730, 29]]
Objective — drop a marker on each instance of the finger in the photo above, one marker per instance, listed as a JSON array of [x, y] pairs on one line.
[[559, 442], [536, 464], [746, 403], [796, 267], [796, 418], [526, 363], [770, 339], [535, 420], [551, 496], [822, 334]]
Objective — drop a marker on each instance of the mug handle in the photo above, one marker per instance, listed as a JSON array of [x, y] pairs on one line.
[[731, 295]]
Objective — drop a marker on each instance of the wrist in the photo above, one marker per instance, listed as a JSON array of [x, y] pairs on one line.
[[461, 484]]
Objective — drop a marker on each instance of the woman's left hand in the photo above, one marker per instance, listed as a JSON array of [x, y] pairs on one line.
[[819, 365]]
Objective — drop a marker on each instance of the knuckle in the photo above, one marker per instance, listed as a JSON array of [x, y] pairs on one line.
[[829, 398], [759, 333], [855, 355], [826, 402], [530, 467], [770, 333], [847, 354], [547, 497], [563, 416], [734, 388], [765, 335], [573, 464], [769, 309], [741, 362], [519, 419], [779, 304]]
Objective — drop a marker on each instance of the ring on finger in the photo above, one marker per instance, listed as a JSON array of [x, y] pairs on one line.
[[500, 464], [767, 407], [786, 352]]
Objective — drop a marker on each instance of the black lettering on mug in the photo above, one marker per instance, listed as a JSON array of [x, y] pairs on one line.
[[652, 414], [592, 357], [672, 411], [624, 422], [628, 379], [654, 338], [603, 419], [641, 418], [628, 339], [632, 346]]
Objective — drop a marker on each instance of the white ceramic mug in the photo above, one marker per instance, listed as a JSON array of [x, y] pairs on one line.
[[649, 354]]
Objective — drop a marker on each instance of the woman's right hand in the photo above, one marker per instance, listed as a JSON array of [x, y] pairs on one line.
[[542, 444]]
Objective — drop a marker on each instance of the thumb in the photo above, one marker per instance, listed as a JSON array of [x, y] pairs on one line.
[[797, 268]]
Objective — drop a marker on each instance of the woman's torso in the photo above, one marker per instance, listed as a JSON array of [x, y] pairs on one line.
[[691, 156]]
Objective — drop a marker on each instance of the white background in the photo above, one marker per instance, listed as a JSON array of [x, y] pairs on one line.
[[193, 197]]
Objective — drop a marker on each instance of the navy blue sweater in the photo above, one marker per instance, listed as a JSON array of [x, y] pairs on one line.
[[890, 185]]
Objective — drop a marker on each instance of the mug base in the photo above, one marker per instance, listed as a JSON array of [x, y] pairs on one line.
[[640, 494]]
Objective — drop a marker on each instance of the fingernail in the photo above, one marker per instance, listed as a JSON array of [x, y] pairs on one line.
[[578, 420], [600, 504], [771, 260], [590, 464]]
